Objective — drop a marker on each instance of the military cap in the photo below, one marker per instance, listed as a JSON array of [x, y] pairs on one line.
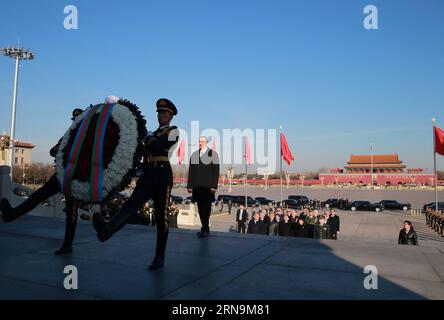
[[76, 112], [166, 105]]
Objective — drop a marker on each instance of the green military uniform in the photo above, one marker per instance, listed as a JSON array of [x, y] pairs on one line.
[[155, 183], [322, 231]]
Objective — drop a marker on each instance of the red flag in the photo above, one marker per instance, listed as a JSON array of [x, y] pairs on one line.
[[285, 150], [181, 151], [439, 141], [247, 150]]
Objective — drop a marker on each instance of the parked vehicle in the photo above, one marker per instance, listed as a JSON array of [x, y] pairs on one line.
[[394, 205], [264, 201], [240, 200], [331, 203], [20, 192], [364, 206], [431, 205], [177, 199], [225, 198], [290, 203], [303, 200]]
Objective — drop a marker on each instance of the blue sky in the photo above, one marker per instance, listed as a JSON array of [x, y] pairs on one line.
[[309, 66]]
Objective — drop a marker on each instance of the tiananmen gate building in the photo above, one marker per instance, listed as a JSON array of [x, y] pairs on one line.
[[387, 169]]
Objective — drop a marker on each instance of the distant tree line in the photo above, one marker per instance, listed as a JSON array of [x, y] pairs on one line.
[[34, 174]]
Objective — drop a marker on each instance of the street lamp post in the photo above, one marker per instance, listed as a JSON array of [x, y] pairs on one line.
[[18, 54], [371, 163]]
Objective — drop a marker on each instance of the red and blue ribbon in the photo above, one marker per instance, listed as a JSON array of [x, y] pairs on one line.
[[96, 182], [96, 174]]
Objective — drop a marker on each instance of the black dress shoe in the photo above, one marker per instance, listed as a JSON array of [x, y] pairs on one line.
[[156, 264], [64, 249], [6, 210], [99, 225]]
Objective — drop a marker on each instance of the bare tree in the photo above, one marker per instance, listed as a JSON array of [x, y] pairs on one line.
[[33, 174]]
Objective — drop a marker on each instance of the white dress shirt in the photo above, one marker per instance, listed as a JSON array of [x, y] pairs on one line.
[[203, 151]]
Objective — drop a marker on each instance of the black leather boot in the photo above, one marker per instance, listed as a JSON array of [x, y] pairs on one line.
[[10, 214], [70, 230], [7, 213], [156, 264], [64, 249], [104, 229], [49, 189]]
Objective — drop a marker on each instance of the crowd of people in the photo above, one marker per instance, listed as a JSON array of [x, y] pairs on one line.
[[306, 223], [435, 221], [271, 220]]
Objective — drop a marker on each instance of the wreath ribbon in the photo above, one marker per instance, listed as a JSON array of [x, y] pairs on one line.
[[96, 183], [74, 153], [96, 174]]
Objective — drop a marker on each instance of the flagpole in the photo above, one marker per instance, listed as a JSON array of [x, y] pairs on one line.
[[247, 158], [183, 173], [435, 175], [246, 184], [280, 162], [371, 163]]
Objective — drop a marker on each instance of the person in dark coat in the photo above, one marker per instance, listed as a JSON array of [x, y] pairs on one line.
[[310, 221], [273, 225], [285, 227], [293, 216], [230, 206], [321, 229], [300, 229], [334, 224], [407, 235], [264, 218], [203, 178], [173, 214], [241, 219], [256, 226]]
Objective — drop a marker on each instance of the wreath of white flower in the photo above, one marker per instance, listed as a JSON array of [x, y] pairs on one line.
[[121, 161]]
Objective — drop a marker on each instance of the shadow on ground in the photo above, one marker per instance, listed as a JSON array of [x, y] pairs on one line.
[[224, 266]]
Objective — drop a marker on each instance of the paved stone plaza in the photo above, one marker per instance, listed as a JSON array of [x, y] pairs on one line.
[[225, 266]]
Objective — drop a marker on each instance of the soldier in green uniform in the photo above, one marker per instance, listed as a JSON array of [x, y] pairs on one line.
[[50, 188], [321, 229], [155, 183]]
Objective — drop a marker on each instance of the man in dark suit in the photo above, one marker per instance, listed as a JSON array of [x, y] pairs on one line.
[[273, 225], [203, 178], [256, 225], [285, 227], [300, 229], [334, 223], [241, 219]]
